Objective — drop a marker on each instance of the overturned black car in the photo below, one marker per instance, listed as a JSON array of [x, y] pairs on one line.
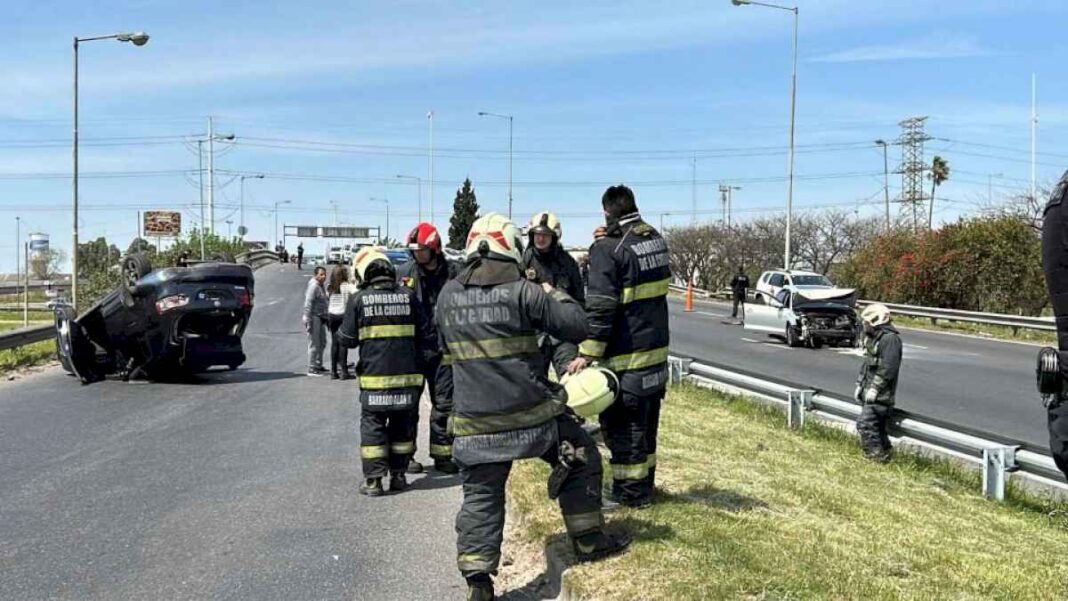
[[161, 324]]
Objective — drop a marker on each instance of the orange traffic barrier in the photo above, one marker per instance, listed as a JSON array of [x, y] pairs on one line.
[[689, 296]]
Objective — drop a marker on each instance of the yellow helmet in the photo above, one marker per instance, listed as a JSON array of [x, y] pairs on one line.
[[591, 391], [545, 223], [875, 314], [367, 257], [494, 236]]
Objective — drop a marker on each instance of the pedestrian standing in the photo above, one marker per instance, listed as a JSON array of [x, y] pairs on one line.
[[1055, 267], [739, 289], [300, 254], [316, 303], [340, 289], [626, 304], [877, 381]]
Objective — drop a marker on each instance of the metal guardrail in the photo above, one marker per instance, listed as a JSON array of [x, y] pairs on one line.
[[23, 336], [996, 455], [16, 338], [1016, 322]]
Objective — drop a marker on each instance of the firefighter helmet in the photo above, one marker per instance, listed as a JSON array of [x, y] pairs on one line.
[[425, 237], [875, 314], [496, 237], [591, 391], [545, 223], [372, 264]]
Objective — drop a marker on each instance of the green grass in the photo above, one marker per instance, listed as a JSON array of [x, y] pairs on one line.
[[985, 331], [748, 509], [25, 356]]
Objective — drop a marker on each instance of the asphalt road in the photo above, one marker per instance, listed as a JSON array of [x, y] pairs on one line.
[[981, 384], [240, 486]]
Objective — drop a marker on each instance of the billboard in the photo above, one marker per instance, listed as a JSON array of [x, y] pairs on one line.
[[307, 231], [159, 224], [346, 232], [38, 242]]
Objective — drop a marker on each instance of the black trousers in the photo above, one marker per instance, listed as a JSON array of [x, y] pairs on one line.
[[631, 426], [480, 522], [871, 427], [385, 444], [439, 378], [738, 300], [339, 353], [1055, 266]]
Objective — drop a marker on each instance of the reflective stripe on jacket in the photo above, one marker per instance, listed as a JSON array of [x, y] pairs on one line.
[[882, 364]]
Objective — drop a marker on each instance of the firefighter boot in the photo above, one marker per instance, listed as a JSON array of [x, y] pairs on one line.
[[414, 467], [446, 466], [372, 487], [397, 482], [599, 545], [480, 588]]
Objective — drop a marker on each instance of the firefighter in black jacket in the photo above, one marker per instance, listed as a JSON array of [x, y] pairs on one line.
[[626, 302], [1055, 267], [877, 382], [387, 323], [488, 319], [739, 287], [545, 260], [425, 275]]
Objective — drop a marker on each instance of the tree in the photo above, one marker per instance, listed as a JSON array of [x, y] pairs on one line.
[[464, 214], [1021, 206], [141, 245], [938, 175], [45, 264]]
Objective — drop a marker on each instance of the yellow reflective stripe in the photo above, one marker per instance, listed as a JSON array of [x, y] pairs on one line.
[[634, 471], [592, 348], [374, 452], [650, 460], [402, 448], [446, 359], [473, 562], [386, 382], [493, 348], [441, 450], [389, 331], [645, 291], [581, 523], [638, 360], [463, 425]]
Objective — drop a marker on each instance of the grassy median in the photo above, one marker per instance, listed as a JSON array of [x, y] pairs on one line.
[[750, 510]]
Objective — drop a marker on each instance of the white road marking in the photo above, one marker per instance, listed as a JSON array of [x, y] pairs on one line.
[[751, 340], [711, 314], [924, 348]]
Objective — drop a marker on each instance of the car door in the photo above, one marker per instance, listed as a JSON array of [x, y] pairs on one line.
[[765, 317]]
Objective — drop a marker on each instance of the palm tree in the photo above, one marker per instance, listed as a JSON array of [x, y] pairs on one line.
[[938, 175]]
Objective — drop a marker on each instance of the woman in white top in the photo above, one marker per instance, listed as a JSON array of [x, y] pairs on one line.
[[340, 289]]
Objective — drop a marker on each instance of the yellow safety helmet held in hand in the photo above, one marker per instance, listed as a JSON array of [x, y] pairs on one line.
[[591, 391], [875, 314], [496, 237]]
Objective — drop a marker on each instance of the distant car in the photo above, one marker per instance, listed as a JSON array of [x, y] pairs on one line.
[[336, 256], [159, 324], [771, 282], [811, 316], [397, 256]]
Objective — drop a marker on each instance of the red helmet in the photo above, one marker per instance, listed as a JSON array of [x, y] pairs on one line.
[[424, 236]]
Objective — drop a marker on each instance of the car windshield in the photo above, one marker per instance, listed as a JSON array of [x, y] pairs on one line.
[[811, 280]]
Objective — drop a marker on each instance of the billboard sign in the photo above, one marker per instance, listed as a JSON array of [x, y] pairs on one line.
[[346, 232], [38, 243], [307, 231], [162, 224]]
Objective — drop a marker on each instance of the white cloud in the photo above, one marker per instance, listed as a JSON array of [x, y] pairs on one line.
[[927, 48]]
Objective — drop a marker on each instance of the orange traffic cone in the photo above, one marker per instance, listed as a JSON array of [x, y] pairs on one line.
[[689, 296]]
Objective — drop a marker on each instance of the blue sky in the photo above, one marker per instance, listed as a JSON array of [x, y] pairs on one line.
[[329, 101]]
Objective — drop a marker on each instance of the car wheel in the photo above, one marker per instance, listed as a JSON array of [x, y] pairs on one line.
[[791, 336], [64, 316], [223, 257], [135, 267]]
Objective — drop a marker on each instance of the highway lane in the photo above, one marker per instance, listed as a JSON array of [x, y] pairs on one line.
[[983, 384], [241, 486]]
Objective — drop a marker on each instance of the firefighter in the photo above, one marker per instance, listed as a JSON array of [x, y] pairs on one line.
[[489, 318], [425, 275], [387, 322], [628, 318], [877, 382], [739, 288], [1055, 266], [545, 260]]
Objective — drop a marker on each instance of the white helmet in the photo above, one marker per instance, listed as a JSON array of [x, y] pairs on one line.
[[875, 314], [494, 236], [591, 391], [367, 257], [545, 223]]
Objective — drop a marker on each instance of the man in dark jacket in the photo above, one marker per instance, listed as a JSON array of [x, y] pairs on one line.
[[1055, 266], [877, 381], [546, 261], [628, 316], [388, 325], [739, 288], [488, 319], [425, 275]]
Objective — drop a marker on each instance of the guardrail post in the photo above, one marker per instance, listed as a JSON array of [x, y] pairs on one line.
[[798, 401], [997, 461], [678, 368]]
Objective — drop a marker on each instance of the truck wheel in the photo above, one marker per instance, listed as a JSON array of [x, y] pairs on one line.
[[135, 267], [791, 337]]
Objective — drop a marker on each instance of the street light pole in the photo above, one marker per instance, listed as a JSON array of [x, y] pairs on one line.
[[200, 172], [137, 39], [276, 203], [793, 115], [430, 118], [886, 181], [18, 267], [419, 188], [241, 217], [510, 119], [385, 200]]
